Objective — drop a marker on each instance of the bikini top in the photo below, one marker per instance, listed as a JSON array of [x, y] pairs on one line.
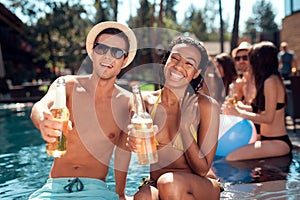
[[256, 108], [177, 141]]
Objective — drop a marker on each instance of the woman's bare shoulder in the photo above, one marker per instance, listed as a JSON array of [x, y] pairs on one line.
[[207, 102], [272, 80]]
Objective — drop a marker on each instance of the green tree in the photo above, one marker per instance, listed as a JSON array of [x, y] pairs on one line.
[[170, 12], [106, 10], [263, 19], [144, 15], [56, 30], [59, 36], [194, 23], [265, 16], [210, 12]]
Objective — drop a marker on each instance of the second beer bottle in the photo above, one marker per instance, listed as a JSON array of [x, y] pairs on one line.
[[143, 125]]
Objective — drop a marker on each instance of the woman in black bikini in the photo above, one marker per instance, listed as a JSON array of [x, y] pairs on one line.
[[267, 107]]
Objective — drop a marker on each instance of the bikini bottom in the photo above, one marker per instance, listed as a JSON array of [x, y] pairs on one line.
[[284, 138]]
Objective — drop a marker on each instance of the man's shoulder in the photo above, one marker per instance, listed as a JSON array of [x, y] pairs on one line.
[[71, 79]]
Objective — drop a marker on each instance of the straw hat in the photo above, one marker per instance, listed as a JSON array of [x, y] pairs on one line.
[[243, 46], [90, 39]]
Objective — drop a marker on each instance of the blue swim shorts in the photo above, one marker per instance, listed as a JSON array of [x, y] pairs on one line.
[[77, 188]]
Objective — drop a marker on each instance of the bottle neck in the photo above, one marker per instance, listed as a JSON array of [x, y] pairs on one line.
[[232, 91], [60, 96], [138, 100]]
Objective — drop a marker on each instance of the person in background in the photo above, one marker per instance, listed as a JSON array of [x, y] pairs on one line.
[[245, 85], [188, 125], [97, 126], [287, 60], [269, 102], [213, 85], [225, 65]]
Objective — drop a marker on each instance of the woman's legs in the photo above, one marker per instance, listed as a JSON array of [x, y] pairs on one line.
[[146, 192], [181, 185], [260, 149]]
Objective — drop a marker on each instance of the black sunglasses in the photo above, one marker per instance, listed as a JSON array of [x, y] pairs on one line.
[[237, 58], [115, 52]]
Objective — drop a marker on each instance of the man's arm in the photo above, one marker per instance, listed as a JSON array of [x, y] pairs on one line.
[[42, 118], [121, 164]]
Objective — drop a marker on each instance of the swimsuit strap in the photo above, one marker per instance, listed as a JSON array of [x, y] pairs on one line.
[[153, 111], [177, 142]]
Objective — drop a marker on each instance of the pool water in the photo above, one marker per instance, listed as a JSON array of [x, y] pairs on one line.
[[25, 166]]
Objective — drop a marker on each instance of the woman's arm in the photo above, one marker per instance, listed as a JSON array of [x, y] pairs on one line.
[[242, 106], [200, 154], [271, 88]]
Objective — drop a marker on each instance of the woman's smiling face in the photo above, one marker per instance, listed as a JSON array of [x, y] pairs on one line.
[[182, 65]]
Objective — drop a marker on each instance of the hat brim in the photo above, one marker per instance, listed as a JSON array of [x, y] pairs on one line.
[[112, 24]]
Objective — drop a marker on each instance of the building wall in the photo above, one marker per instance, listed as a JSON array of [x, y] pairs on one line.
[[290, 33]]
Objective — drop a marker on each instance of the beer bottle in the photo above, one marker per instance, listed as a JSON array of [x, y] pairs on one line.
[[61, 114], [143, 124], [232, 95]]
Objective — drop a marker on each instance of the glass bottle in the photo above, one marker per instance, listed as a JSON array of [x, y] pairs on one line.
[[232, 95], [61, 114], [143, 124]]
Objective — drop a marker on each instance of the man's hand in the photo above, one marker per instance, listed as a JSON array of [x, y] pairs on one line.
[[50, 127]]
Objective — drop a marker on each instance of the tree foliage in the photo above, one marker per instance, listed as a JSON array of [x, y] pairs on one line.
[[60, 36], [170, 12], [263, 19], [143, 17], [106, 10], [194, 23], [58, 28], [265, 16]]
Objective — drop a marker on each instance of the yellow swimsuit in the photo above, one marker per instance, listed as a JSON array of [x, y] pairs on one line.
[[177, 141]]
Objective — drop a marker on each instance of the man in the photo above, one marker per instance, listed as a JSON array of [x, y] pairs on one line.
[[287, 60], [245, 86], [99, 115]]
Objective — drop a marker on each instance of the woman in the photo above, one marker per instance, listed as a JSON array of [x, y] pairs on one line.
[[267, 107], [213, 85], [225, 65], [188, 124]]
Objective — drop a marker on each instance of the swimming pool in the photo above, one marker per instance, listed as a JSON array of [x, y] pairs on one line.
[[24, 165]]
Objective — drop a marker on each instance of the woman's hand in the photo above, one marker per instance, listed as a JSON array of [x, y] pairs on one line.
[[133, 142], [189, 110], [228, 108]]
